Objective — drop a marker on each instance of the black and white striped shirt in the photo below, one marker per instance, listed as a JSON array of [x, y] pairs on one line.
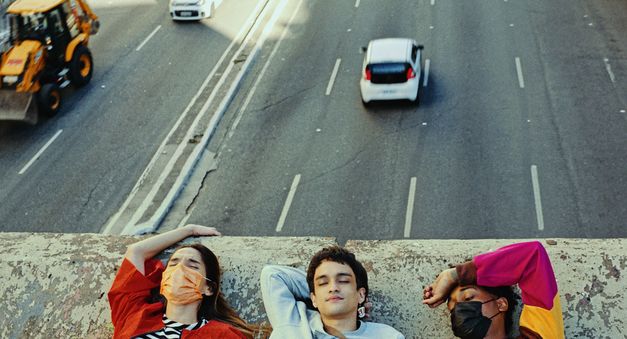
[[171, 329]]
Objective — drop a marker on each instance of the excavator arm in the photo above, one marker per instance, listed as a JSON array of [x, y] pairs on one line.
[[89, 21]]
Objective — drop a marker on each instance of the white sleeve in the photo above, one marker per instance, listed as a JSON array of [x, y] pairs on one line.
[[283, 288]]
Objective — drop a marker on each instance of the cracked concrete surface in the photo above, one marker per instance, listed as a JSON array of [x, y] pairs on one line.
[[54, 285]]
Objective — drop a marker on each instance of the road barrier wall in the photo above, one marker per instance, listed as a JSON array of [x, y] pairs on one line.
[[55, 285]]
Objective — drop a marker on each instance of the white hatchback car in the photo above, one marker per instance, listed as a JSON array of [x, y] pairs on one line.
[[192, 9], [391, 70]]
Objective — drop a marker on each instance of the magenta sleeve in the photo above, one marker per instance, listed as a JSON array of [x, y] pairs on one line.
[[526, 264]]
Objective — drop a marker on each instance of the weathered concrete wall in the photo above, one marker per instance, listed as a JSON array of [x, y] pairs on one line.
[[54, 285], [590, 273]]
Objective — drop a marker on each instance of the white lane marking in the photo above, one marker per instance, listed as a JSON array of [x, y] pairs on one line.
[[191, 161], [410, 206], [184, 221], [288, 203], [262, 73], [609, 69], [148, 38], [40, 152], [356, 3], [536, 196], [432, 2], [333, 75], [521, 80], [425, 81], [155, 157]]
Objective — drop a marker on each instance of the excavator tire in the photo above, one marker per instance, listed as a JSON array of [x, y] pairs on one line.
[[49, 100], [81, 66]]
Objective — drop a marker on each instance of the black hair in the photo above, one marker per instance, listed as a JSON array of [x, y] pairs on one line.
[[342, 256], [506, 292]]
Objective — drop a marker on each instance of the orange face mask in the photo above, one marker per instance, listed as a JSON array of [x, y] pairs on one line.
[[181, 284]]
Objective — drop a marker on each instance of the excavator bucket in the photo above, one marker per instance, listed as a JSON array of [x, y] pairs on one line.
[[18, 107]]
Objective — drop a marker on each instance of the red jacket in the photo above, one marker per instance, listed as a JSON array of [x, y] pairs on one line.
[[132, 314]]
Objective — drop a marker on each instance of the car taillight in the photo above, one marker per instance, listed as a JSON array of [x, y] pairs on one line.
[[410, 73], [367, 74]]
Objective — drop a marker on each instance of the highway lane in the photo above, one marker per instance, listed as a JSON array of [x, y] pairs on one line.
[[515, 89], [585, 110], [112, 127], [292, 128]]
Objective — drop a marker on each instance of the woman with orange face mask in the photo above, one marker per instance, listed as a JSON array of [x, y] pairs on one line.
[[190, 306]]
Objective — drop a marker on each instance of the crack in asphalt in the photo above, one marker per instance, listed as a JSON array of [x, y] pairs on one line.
[[276, 103]]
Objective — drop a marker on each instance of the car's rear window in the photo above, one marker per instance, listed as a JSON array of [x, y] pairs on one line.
[[388, 73]]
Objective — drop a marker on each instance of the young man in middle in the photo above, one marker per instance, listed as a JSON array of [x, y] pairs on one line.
[[323, 303]]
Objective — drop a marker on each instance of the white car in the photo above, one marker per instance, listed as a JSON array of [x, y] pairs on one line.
[[192, 9], [391, 70]]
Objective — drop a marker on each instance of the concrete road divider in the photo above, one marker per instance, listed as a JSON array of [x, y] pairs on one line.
[[55, 285]]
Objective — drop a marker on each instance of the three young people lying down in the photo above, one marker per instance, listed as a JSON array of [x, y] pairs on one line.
[[183, 299]]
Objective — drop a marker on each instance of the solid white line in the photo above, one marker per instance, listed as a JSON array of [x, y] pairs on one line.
[[40, 152], [425, 81], [157, 154], [356, 3], [410, 206], [432, 2], [184, 221], [288, 203], [536, 196], [609, 69], [153, 222], [262, 73], [186, 171], [148, 38], [521, 81], [333, 75]]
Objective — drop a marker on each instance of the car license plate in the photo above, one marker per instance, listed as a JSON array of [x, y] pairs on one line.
[[389, 91], [186, 13]]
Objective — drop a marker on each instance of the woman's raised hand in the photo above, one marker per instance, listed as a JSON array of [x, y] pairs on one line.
[[201, 231]]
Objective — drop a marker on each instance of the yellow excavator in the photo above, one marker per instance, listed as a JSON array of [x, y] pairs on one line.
[[47, 51]]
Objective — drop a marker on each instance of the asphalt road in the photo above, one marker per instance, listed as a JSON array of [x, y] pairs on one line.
[[112, 127], [520, 132], [519, 94]]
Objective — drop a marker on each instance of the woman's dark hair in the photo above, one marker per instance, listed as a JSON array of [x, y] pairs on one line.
[[342, 256], [215, 307], [506, 292]]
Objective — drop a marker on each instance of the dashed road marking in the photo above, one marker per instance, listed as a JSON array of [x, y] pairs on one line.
[[333, 75], [148, 38], [41, 151], [521, 80], [425, 81], [536, 196], [608, 67], [288, 203], [410, 207]]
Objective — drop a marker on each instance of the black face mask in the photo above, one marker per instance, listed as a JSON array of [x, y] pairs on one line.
[[468, 322]]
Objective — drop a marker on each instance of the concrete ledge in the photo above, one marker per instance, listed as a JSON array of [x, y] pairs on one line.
[[54, 285], [590, 274]]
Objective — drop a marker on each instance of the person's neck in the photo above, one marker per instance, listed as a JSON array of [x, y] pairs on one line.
[[338, 326], [496, 332], [184, 314], [499, 335]]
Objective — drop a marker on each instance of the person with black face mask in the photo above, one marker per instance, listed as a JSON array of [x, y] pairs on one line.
[[468, 321], [480, 297]]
